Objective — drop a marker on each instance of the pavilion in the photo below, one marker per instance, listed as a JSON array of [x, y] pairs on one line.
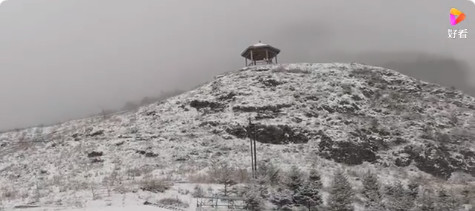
[[260, 53]]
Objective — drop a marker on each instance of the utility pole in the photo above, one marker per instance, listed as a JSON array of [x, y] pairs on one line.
[[255, 150], [251, 133]]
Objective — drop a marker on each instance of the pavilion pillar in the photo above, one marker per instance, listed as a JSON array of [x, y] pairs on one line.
[[245, 59], [252, 58], [267, 56], [276, 59]]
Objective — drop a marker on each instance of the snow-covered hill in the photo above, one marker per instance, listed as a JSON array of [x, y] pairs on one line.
[[326, 115]]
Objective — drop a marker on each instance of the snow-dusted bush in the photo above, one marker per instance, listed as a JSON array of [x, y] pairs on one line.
[[261, 184], [282, 197], [242, 175], [425, 200], [281, 69], [155, 185], [183, 191], [446, 200], [175, 202], [253, 200], [137, 172], [294, 179], [199, 178], [8, 193], [270, 172], [397, 197], [198, 192]]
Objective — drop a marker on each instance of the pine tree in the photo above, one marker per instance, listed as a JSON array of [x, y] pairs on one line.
[[341, 193], [315, 179], [282, 198], [397, 198], [445, 202], [308, 195], [413, 190], [273, 174], [465, 195], [425, 201], [295, 179], [270, 172], [371, 192], [253, 200], [262, 186]]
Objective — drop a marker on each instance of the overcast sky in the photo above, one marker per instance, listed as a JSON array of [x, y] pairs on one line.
[[64, 59]]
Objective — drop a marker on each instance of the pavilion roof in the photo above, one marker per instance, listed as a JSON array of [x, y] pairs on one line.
[[259, 50]]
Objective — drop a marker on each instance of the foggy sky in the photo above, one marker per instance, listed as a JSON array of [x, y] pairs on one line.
[[64, 59]]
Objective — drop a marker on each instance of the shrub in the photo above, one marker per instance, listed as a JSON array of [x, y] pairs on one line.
[[297, 70], [137, 172], [198, 192], [155, 185], [8, 193], [446, 200], [425, 200], [271, 172], [294, 179], [173, 202], [253, 199], [281, 69]]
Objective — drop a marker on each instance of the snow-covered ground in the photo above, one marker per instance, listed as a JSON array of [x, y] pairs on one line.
[[129, 201], [398, 126]]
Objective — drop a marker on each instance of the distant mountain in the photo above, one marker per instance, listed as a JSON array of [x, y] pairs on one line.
[[305, 114]]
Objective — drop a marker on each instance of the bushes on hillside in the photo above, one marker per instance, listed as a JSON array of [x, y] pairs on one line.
[[155, 185], [173, 202]]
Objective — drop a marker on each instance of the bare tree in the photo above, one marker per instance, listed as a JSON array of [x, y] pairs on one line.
[[223, 173]]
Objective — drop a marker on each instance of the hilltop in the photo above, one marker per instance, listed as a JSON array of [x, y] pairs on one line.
[[327, 115]]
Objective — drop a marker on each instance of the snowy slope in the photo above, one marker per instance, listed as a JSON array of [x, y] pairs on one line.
[[323, 114]]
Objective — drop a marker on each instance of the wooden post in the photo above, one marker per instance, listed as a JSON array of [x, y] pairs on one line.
[[276, 59], [245, 60]]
